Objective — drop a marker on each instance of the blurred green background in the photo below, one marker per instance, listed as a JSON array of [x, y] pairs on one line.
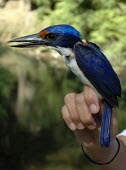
[[33, 82]]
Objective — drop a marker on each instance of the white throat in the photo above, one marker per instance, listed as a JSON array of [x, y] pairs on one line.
[[62, 50], [70, 61]]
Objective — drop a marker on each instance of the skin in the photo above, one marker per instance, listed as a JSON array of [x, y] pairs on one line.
[[82, 113]]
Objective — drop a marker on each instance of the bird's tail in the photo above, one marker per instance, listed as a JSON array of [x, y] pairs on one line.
[[105, 125]]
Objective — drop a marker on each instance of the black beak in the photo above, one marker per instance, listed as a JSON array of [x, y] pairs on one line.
[[29, 41]]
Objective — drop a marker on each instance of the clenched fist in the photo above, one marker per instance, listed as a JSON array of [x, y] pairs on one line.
[[83, 113]]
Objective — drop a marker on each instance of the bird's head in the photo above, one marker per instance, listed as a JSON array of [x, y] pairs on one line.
[[58, 37]]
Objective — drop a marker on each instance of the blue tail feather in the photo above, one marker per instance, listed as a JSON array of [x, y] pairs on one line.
[[105, 125]]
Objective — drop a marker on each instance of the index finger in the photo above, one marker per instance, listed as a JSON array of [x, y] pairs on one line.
[[91, 99]]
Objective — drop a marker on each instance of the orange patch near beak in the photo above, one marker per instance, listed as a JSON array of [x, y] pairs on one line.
[[43, 33]]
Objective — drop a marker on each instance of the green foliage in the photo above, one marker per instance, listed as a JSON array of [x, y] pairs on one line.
[[6, 87], [44, 7]]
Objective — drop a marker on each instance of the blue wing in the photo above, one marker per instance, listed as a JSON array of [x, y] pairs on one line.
[[99, 71]]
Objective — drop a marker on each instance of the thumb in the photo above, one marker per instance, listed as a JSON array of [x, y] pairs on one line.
[[91, 100]]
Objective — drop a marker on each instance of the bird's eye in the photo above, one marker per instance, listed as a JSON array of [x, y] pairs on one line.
[[51, 36]]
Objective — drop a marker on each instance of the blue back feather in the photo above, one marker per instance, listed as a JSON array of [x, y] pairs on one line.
[[99, 71]]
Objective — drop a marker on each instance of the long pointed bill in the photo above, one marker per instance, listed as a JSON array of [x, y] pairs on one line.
[[29, 41]]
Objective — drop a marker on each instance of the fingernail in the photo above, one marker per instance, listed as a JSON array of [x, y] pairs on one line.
[[72, 126], [80, 126], [91, 127], [93, 108]]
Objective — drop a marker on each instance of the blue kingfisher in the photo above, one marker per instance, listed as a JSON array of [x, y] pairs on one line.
[[86, 61]]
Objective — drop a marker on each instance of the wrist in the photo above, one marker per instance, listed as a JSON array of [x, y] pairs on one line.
[[99, 154]]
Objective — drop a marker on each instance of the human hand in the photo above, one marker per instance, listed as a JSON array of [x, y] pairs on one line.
[[82, 113]]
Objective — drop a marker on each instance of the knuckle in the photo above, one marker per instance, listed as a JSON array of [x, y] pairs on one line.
[[90, 94], [63, 109], [78, 99], [65, 117], [68, 97], [74, 118], [65, 113], [87, 120], [89, 97]]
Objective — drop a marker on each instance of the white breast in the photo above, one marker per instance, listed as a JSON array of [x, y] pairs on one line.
[[72, 64], [76, 70]]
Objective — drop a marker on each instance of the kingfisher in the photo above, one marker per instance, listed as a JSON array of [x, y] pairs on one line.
[[86, 61]]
